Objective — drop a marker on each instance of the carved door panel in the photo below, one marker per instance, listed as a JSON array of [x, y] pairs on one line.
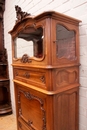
[[31, 110]]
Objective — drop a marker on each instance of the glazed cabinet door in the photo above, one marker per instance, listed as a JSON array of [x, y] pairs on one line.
[[64, 43]]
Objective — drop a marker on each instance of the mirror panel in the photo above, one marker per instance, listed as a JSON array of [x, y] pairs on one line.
[[30, 42], [23, 47]]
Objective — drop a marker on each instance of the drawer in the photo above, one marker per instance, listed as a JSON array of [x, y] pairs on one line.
[[33, 77]]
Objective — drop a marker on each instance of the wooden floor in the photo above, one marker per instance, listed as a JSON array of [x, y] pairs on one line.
[[8, 122]]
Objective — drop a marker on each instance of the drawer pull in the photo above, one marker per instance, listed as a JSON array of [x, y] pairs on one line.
[[42, 78], [26, 75]]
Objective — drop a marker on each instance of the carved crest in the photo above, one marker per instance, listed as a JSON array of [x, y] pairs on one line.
[[20, 14]]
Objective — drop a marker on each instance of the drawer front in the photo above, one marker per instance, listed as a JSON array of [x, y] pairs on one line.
[[33, 77]]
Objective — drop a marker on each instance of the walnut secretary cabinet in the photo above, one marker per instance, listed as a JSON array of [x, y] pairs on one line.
[[46, 71]]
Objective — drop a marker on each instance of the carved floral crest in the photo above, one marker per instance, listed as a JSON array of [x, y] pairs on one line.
[[20, 14]]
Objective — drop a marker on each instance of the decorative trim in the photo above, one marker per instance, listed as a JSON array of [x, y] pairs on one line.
[[20, 14], [30, 96]]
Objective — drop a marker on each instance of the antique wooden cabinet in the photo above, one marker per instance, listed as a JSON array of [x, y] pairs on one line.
[[5, 102], [46, 71]]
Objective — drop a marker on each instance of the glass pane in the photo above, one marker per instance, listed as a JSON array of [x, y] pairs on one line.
[[65, 45], [30, 42]]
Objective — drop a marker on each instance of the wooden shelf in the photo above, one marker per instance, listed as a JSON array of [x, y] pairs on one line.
[[3, 63], [5, 108], [3, 79]]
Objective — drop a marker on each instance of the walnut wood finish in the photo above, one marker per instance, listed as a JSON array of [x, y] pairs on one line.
[[47, 87]]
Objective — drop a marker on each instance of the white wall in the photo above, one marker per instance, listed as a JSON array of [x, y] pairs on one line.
[[74, 8]]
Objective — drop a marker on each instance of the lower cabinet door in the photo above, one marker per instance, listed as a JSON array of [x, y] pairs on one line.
[[31, 109]]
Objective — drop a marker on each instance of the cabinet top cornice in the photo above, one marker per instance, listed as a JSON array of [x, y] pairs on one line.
[[24, 16]]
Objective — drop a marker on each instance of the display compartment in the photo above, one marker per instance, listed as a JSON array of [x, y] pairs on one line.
[[65, 43], [29, 42]]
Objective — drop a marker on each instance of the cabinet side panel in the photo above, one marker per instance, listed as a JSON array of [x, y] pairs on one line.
[[66, 114]]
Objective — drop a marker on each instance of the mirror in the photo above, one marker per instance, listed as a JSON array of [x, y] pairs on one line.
[[30, 42], [23, 47]]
